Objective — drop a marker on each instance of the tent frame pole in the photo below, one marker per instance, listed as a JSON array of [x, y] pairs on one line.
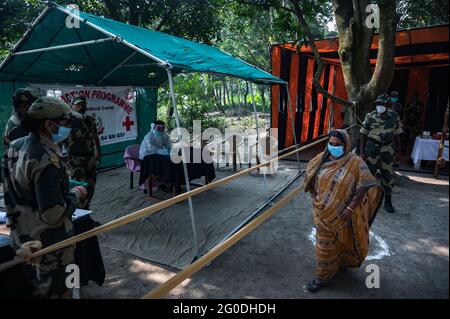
[[117, 67], [293, 124], [151, 56], [259, 147], [137, 65], [63, 46], [184, 161]]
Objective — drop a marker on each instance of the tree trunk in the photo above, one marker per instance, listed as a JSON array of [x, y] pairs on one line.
[[354, 47], [262, 90], [355, 38], [134, 14], [226, 96], [246, 95], [222, 97], [217, 97], [232, 96], [113, 10], [239, 98]]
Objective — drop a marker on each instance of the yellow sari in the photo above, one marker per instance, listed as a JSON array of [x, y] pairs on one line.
[[333, 184]]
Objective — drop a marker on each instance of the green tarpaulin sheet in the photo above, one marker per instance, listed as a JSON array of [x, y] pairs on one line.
[[123, 55]]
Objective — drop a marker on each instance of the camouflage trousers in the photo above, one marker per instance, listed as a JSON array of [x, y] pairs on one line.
[[381, 157], [84, 169], [49, 279]]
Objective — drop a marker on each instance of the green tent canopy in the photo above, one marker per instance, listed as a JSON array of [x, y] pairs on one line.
[[68, 47], [81, 48]]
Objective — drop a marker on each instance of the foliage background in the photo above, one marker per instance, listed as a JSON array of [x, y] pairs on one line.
[[239, 27]]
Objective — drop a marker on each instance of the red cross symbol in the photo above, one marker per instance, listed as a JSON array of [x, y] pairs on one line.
[[128, 124]]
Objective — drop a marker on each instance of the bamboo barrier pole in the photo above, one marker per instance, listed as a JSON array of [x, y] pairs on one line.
[[159, 206], [145, 212], [161, 290]]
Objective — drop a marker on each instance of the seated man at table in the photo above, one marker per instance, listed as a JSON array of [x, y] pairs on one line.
[[156, 141]]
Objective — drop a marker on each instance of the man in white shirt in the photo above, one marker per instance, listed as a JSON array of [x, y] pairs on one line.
[[156, 141]]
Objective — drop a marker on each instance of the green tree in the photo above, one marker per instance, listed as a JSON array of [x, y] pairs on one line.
[[421, 13], [355, 39], [195, 20], [15, 16]]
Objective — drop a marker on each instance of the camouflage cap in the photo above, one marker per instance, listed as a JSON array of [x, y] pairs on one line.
[[24, 95], [48, 107], [380, 102], [384, 97], [79, 99]]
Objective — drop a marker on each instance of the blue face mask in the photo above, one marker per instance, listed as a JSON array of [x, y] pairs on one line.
[[336, 151], [63, 133], [394, 99]]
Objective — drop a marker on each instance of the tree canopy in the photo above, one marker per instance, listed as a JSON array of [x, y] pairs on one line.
[[247, 28], [242, 27]]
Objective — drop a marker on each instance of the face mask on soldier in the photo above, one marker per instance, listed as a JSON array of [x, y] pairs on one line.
[[62, 133], [381, 109], [80, 108]]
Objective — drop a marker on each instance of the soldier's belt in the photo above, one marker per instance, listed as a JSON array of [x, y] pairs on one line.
[[379, 143]]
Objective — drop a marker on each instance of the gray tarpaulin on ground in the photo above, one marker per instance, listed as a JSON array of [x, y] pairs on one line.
[[166, 237]]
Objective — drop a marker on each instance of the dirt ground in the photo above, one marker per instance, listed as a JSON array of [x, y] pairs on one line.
[[277, 259]]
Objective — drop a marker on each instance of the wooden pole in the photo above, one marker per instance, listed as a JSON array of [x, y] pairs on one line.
[[145, 212], [161, 290], [159, 206]]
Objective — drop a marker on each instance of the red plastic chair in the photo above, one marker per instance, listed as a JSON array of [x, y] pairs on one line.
[[131, 158]]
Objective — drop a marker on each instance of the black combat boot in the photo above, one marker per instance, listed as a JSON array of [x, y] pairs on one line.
[[388, 204]]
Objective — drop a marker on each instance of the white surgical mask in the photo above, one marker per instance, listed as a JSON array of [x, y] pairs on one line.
[[381, 109]]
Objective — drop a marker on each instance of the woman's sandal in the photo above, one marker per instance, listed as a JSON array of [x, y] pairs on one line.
[[313, 286]]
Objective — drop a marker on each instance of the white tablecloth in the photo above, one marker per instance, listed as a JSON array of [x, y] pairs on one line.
[[426, 150]]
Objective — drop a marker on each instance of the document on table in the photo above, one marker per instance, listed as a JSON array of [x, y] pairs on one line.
[[80, 213], [2, 217], [77, 214]]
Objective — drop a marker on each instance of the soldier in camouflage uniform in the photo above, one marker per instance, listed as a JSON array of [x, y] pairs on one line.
[[381, 128], [396, 106], [84, 152], [39, 204], [385, 99], [22, 100]]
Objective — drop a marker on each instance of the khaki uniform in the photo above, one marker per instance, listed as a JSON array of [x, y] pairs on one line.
[[379, 147], [12, 132], [39, 207], [83, 154]]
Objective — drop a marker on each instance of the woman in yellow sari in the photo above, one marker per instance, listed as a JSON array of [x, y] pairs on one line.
[[346, 198]]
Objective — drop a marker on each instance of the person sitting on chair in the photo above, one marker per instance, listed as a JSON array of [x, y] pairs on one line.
[[156, 141]]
